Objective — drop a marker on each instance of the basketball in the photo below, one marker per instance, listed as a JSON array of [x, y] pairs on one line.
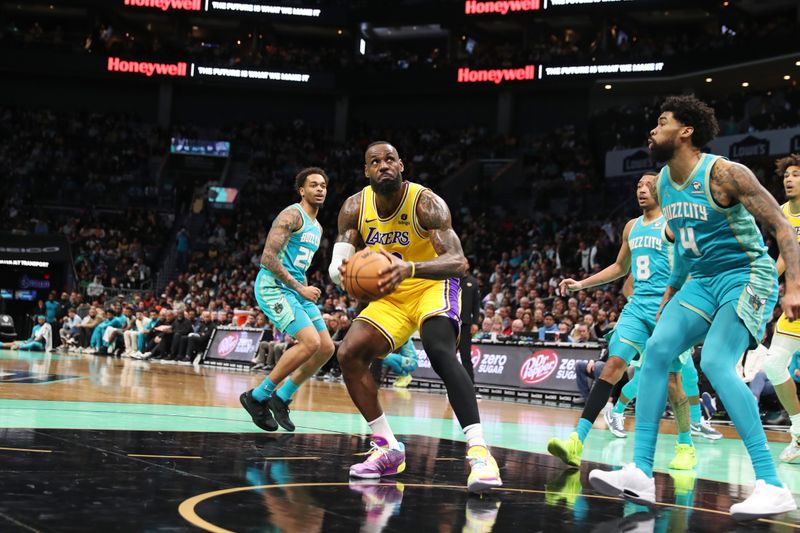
[[360, 278]]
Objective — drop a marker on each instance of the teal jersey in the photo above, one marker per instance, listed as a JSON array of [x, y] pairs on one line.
[[118, 322], [650, 257], [710, 239], [299, 250]]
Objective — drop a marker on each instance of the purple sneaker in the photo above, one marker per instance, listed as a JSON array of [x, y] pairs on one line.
[[382, 461]]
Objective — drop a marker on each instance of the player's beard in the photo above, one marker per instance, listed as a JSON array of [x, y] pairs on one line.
[[662, 152], [387, 187]]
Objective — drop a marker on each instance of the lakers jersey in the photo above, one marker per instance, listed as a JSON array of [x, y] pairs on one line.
[[711, 239], [649, 257], [397, 315], [784, 327], [299, 250], [794, 219], [400, 233]]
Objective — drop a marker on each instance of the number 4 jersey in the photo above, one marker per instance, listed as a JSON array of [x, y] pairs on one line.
[[710, 239], [722, 249]]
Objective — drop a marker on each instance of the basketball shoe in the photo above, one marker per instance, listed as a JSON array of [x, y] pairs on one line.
[[484, 473], [382, 460]]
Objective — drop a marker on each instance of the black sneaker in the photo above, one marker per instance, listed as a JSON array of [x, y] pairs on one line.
[[258, 411], [281, 412]]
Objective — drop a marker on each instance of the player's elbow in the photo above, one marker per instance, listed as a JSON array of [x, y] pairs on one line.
[[462, 266]]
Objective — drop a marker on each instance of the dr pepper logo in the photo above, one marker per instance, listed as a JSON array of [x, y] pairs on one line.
[[228, 344], [475, 355], [538, 367]]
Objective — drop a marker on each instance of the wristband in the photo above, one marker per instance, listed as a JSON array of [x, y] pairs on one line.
[[413, 269]]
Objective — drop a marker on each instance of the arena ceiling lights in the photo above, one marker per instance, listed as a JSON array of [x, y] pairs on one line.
[[213, 6]]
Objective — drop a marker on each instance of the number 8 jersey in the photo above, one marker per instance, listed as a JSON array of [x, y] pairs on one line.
[[711, 239], [650, 256]]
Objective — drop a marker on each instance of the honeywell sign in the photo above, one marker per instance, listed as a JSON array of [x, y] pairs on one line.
[[496, 75], [147, 68], [502, 7], [185, 5]]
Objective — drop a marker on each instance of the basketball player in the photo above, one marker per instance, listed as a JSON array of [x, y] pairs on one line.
[[644, 248], [283, 295], [403, 361], [615, 418], [786, 340], [711, 207], [412, 227]]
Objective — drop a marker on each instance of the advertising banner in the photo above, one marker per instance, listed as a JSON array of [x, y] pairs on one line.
[[544, 368], [767, 143], [233, 345]]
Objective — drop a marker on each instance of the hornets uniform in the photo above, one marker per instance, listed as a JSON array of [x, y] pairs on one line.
[[399, 314], [722, 248], [650, 266], [284, 306]]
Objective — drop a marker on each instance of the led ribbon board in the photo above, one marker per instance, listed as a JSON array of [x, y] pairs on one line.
[[216, 5]]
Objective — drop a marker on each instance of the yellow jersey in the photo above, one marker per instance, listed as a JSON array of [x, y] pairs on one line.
[[400, 233], [794, 219], [397, 315], [784, 327]]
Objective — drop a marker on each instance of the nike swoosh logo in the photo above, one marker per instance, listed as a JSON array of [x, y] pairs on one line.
[[370, 220]]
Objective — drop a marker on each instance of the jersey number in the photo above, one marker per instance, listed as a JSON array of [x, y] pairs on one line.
[[642, 268], [688, 242], [303, 259]]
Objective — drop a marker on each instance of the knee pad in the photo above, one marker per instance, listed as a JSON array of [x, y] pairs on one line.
[[776, 365]]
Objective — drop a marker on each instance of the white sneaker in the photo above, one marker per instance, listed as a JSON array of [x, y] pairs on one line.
[[615, 423], [766, 500], [629, 483], [791, 453], [704, 429]]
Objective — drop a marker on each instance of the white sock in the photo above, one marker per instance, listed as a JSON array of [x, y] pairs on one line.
[[795, 429], [474, 434], [380, 427]]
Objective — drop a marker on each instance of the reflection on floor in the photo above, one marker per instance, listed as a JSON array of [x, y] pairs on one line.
[[92, 443]]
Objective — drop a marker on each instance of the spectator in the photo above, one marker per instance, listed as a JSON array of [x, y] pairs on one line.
[[70, 329], [548, 327], [585, 374], [580, 334], [198, 340]]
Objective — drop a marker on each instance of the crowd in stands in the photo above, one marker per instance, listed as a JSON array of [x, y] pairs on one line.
[[626, 126], [78, 159], [518, 261], [111, 250], [610, 39]]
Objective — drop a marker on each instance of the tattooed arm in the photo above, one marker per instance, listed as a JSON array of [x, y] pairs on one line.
[[434, 216], [289, 220], [348, 239], [349, 216], [732, 182]]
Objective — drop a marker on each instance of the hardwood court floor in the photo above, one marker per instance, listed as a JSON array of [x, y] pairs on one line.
[[95, 443]]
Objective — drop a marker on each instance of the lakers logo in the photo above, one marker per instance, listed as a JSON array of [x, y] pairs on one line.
[[390, 237]]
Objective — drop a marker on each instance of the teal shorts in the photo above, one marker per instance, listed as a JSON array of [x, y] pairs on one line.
[[754, 291], [286, 309], [634, 327]]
